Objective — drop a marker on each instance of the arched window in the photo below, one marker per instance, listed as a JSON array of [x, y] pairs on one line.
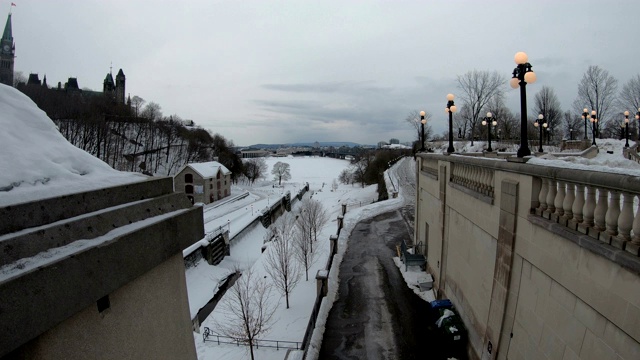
[[188, 189], [188, 178]]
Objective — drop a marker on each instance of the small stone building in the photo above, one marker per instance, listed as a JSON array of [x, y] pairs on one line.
[[204, 182]]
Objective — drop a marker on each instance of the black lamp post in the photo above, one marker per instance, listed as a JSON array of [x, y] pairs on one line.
[[626, 128], [522, 75], [585, 116], [594, 122], [451, 108], [540, 123], [422, 122], [488, 121]]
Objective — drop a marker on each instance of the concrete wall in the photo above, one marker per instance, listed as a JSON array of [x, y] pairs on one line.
[[147, 319], [522, 284]]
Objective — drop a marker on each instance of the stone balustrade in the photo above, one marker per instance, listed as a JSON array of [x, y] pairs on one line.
[[476, 178], [430, 166], [598, 210]]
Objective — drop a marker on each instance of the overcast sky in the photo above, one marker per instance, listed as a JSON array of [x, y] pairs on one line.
[[343, 70]]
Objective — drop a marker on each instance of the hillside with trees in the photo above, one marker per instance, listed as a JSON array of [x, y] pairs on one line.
[[134, 136]]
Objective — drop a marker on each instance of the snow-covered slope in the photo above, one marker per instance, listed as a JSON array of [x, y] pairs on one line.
[[37, 162]]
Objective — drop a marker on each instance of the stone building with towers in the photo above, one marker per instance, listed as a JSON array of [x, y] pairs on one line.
[[7, 54], [68, 93]]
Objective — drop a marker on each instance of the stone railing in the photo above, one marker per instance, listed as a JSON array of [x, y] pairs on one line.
[[601, 205], [600, 210], [476, 178], [430, 166]]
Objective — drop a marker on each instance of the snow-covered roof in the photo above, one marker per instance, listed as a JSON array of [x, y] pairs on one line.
[[208, 169], [37, 162]]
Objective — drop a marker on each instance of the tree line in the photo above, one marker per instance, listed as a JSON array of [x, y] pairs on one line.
[[481, 92]]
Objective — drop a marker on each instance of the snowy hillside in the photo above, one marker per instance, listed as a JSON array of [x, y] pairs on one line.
[[37, 162]]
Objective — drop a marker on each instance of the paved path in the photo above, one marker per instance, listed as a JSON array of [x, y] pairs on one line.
[[376, 316]]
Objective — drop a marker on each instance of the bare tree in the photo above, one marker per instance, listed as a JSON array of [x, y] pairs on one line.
[[572, 125], [303, 244], [136, 103], [546, 103], [254, 169], [281, 171], [414, 120], [629, 99], [19, 78], [478, 87], [597, 91], [317, 215], [345, 177], [281, 264], [247, 308], [508, 124]]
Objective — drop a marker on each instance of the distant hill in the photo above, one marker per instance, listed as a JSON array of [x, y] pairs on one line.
[[322, 144]]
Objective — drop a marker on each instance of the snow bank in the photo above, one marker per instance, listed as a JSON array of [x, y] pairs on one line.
[[37, 162]]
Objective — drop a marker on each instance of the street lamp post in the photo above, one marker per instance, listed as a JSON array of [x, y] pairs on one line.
[[626, 128], [522, 74], [542, 124], [422, 122], [488, 121], [585, 116], [451, 108], [594, 121]]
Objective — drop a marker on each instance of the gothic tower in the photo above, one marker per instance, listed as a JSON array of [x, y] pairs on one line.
[[7, 54], [120, 79]]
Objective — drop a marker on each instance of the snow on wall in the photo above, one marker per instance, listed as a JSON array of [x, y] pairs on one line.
[[37, 162]]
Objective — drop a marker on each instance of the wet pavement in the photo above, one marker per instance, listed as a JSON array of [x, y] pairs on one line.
[[376, 316]]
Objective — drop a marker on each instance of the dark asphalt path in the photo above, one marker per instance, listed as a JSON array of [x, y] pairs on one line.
[[376, 316]]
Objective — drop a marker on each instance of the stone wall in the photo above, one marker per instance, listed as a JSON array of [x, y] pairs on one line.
[[526, 287]]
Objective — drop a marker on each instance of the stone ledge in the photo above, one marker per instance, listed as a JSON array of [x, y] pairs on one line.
[[45, 211], [619, 256], [37, 300], [29, 242]]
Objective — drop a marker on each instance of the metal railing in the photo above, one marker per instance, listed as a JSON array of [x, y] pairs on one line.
[[208, 335]]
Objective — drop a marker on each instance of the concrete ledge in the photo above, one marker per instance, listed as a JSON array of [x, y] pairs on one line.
[[31, 302], [619, 256], [480, 196], [29, 242], [31, 214]]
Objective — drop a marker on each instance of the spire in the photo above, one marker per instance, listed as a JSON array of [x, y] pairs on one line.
[[7, 34]]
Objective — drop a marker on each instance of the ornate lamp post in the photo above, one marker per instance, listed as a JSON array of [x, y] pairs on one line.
[[522, 75], [585, 116], [451, 108], [488, 121], [626, 128], [594, 122], [542, 124], [422, 122]]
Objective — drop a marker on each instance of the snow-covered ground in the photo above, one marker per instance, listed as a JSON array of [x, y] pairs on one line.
[[291, 323], [37, 162]]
